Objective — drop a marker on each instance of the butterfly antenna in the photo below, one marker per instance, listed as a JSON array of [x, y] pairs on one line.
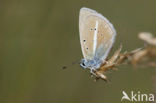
[[73, 63]]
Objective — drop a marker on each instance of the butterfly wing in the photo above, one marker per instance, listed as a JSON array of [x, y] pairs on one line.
[[96, 34]]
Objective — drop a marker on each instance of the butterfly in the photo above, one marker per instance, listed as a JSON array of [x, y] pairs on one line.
[[97, 36]]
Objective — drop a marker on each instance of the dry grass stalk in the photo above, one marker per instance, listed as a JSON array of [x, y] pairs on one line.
[[139, 57]]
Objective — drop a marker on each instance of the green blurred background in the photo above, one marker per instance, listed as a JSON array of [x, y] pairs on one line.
[[38, 37]]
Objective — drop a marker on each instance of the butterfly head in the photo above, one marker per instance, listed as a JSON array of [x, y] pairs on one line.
[[91, 64]]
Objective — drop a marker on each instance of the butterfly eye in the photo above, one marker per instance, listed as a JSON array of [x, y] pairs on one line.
[[84, 40], [83, 64]]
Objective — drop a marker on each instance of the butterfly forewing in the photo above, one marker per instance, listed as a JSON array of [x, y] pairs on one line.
[[96, 34]]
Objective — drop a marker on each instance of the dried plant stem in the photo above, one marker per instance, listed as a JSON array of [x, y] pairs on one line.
[[138, 57]]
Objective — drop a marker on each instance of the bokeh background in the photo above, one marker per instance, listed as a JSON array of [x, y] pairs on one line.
[[38, 37]]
